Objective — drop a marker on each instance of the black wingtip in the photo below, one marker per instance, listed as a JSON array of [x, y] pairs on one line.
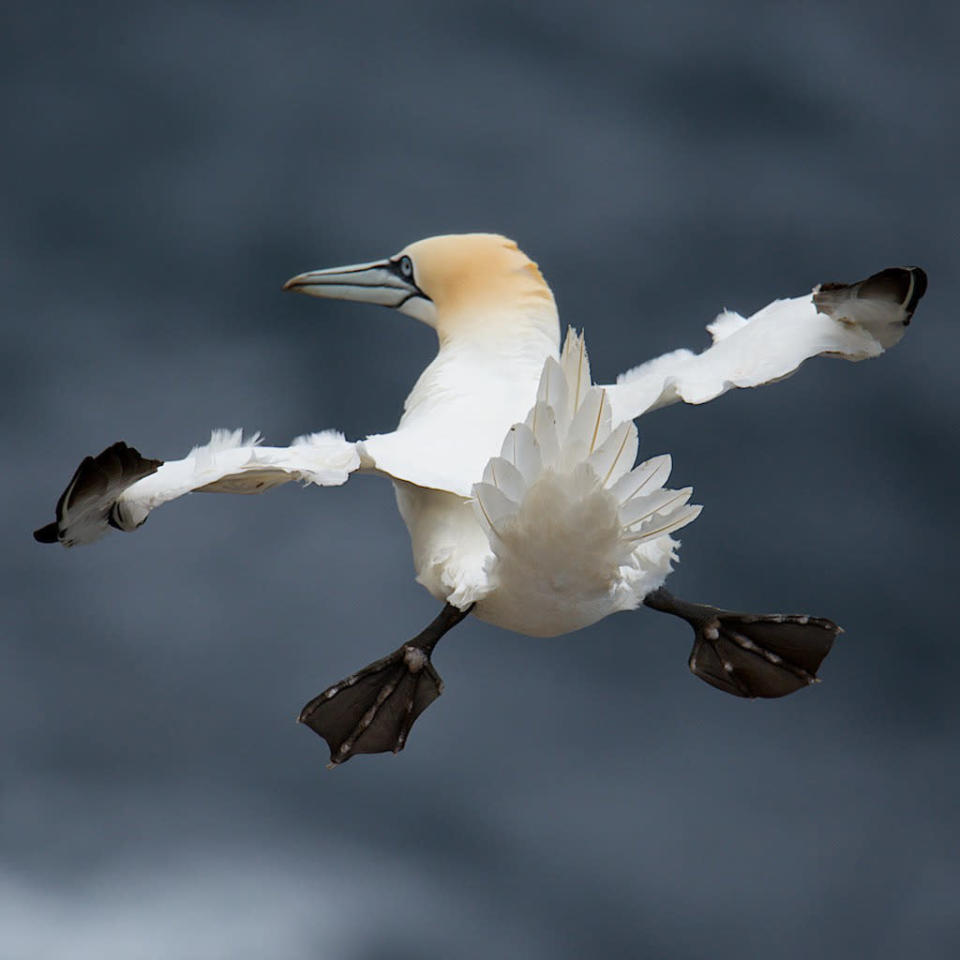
[[901, 285], [919, 287], [47, 534], [95, 486]]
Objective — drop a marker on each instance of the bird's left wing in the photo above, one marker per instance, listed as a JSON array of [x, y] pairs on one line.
[[854, 321], [118, 488]]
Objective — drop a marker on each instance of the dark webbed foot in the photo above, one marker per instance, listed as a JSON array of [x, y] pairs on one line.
[[372, 710], [750, 654]]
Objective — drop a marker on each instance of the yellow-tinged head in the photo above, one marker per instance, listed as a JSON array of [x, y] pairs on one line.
[[460, 284]]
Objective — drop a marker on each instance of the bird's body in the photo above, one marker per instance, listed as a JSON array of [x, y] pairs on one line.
[[553, 537], [514, 473]]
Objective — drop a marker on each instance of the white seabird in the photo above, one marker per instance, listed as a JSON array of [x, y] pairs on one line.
[[515, 474]]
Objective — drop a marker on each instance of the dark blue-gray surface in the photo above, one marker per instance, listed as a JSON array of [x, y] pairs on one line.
[[165, 168]]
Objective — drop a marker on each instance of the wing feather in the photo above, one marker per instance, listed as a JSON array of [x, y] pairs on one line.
[[118, 488], [853, 321]]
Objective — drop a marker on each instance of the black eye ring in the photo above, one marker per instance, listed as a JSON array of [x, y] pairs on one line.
[[406, 267]]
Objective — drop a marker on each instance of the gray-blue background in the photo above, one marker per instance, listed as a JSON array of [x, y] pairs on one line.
[[165, 168]]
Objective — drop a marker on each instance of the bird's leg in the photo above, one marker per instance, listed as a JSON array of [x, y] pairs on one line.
[[751, 654], [372, 710]]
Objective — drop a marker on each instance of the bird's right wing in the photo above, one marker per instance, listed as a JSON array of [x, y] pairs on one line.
[[118, 488], [854, 321]]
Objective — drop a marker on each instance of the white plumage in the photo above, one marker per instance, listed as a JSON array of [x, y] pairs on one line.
[[574, 531], [514, 472]]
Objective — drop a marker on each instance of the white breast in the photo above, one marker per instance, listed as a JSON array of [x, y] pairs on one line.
[[460, 408], [561, 531]]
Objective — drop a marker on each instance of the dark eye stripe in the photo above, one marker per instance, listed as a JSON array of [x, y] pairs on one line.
[[403, 268]]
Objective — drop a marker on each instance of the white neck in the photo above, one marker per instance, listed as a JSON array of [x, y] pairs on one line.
[[488, 363]]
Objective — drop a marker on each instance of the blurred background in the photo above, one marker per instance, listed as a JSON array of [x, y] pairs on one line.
[[165, 169]]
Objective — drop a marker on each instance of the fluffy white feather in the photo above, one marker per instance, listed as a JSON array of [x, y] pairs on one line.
[[574, 533]]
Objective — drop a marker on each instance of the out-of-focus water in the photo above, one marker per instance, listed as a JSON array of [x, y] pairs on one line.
[[165, 169]]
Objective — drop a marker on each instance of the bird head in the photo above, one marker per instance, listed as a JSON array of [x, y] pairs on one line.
[[462, 285]]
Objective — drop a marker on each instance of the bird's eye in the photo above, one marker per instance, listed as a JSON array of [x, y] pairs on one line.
[[406, 267]]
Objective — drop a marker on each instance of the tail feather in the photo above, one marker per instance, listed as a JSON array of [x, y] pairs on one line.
[[503, 475], [558, 469], [543, 424], [494, 507], [589, 428], [616, 454], [522, 450], [677, 519], [650, 475], [554, 393], [639, 510], [576, 367]]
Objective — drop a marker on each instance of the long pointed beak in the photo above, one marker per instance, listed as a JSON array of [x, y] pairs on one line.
[[378, 282]]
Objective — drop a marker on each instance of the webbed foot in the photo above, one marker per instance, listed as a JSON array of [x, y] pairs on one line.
[[372, 710], [751, 654]]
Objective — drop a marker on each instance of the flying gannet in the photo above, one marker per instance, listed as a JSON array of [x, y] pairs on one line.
[[515, 474]]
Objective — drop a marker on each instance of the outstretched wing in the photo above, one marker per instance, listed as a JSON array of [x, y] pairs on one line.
[[854, 321], [119, 487]]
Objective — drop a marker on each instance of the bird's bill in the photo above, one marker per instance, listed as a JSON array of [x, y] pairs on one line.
[[378, 282]]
